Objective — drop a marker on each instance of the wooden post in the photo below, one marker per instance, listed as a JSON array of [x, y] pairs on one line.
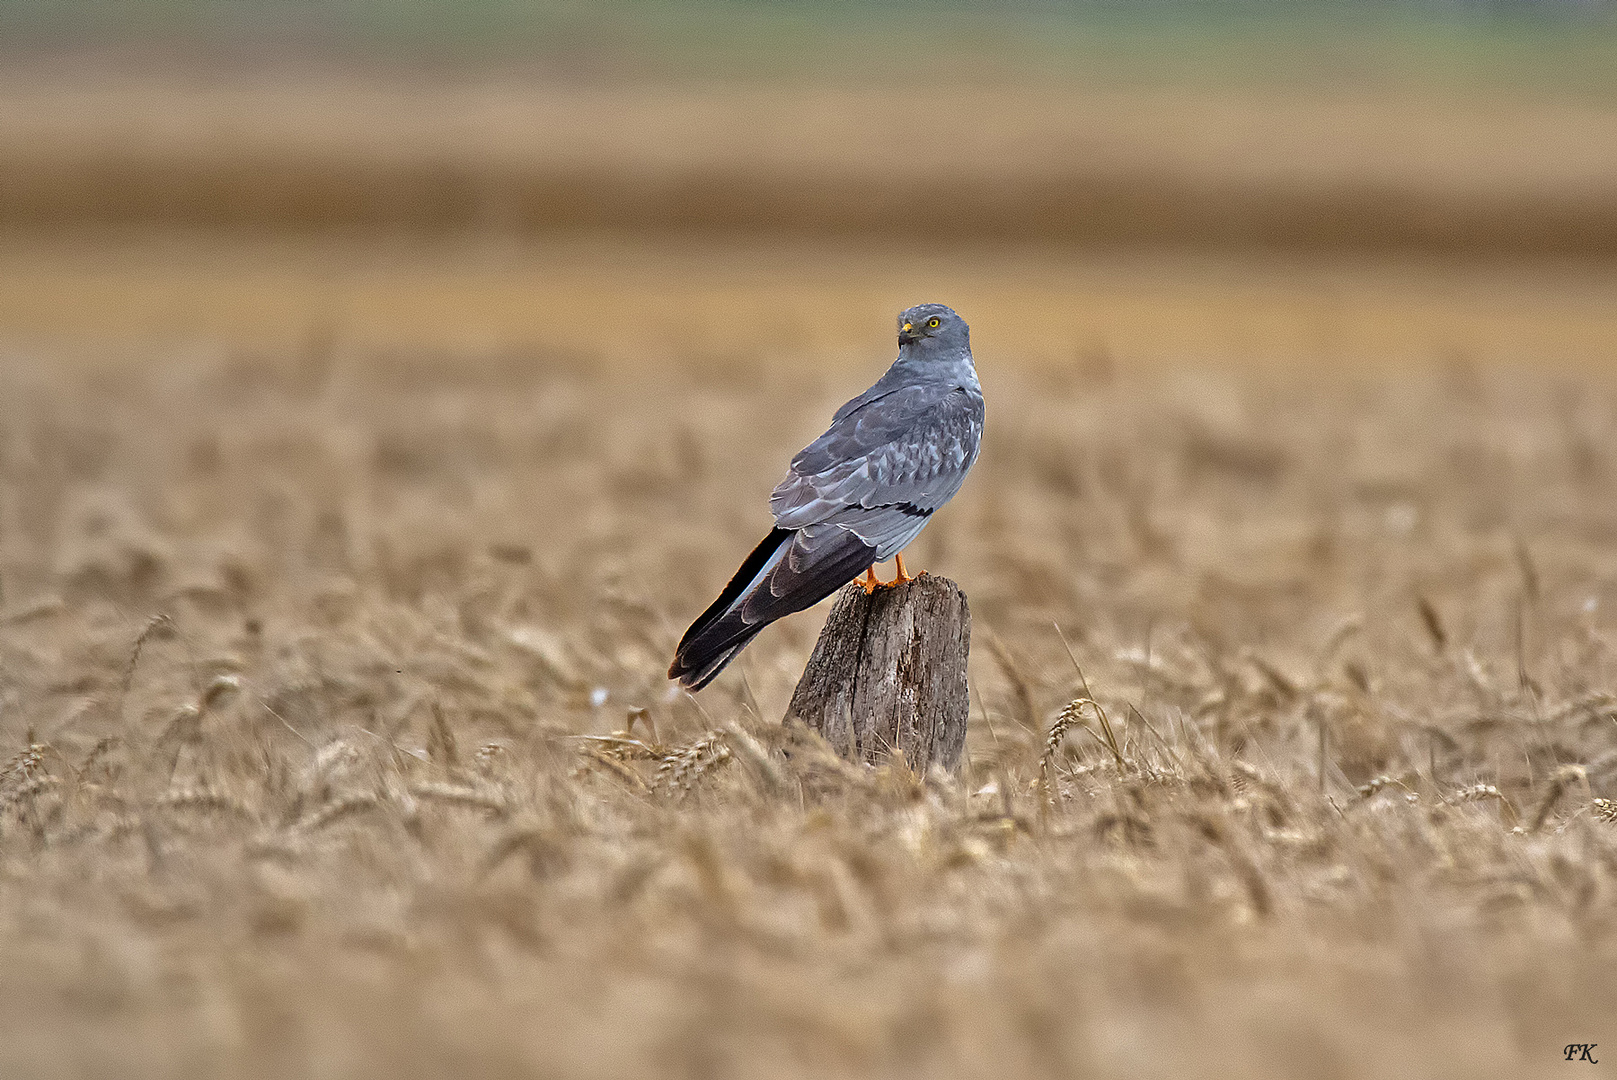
[[889, 672]]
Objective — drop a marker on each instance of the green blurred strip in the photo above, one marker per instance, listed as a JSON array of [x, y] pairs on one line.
[[1559, 44]]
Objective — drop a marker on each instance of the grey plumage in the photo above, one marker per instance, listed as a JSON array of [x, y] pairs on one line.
[[856, 495]]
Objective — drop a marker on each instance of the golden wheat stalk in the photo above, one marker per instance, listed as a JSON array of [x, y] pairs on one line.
[[682, 769], [1072, 716]]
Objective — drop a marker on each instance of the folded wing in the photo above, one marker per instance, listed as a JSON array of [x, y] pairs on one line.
[[884, 466], [854, 497]]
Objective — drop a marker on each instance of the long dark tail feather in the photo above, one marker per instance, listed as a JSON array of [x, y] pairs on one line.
[[738, 584], [695, 680], [801, 578], [694, 658]]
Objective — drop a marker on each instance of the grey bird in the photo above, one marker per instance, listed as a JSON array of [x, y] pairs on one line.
[[857, 495]]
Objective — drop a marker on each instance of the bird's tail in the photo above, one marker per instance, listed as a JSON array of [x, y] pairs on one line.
[[789, 571], [718, 633]]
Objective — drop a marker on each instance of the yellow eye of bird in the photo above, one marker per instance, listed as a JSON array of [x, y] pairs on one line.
[[932, 321]]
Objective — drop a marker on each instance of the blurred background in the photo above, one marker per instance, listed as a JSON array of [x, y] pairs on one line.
[[377, 375], [646, 181]]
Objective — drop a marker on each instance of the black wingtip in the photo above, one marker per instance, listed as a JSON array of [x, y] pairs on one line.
[[695, 677], [697, 662], [737, 616], [738, 583]]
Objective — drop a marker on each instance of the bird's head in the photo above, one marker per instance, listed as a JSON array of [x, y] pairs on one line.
[[932, 328]]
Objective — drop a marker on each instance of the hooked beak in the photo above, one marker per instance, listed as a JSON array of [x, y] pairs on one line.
[[906, 335]]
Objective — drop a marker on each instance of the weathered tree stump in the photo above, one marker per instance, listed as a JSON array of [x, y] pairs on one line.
[[889, 673]]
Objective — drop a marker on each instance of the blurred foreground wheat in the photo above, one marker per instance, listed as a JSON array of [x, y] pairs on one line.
[[335, 739]]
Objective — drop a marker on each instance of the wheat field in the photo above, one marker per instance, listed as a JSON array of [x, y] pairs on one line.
[[335, 740]]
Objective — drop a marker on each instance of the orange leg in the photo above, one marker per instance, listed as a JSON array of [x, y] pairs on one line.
[[869, 582], [903, 576]]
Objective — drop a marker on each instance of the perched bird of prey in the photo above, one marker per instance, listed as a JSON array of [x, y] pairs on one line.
[[855, 496]]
